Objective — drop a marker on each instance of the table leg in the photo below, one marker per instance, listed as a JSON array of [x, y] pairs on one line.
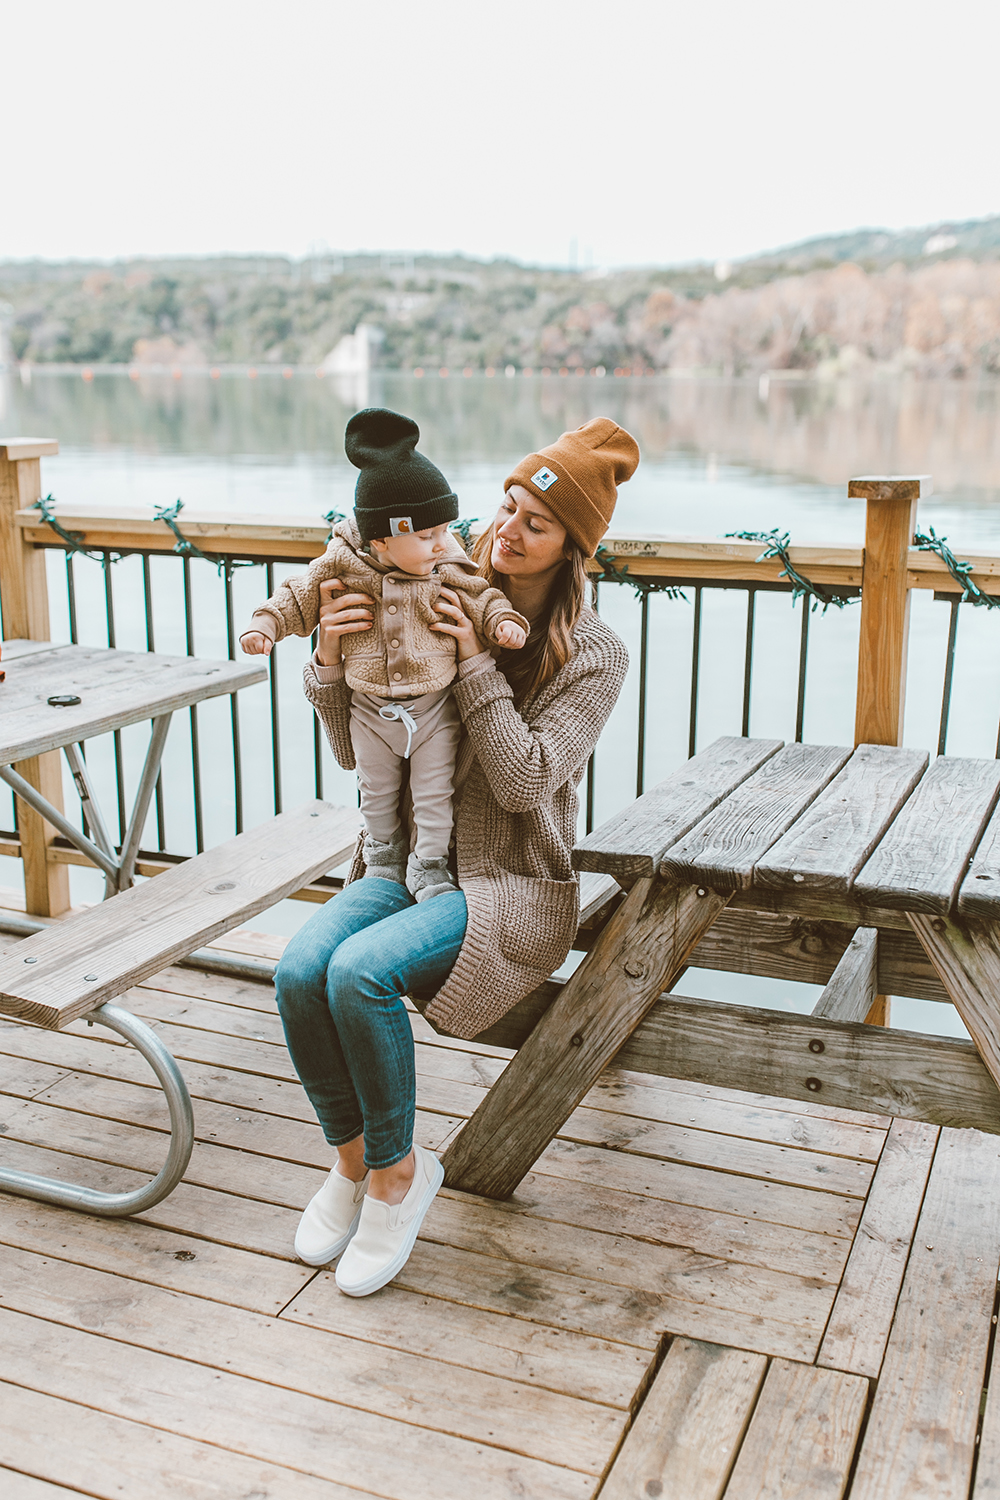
[[638, 955], [967, 960], [143, 797], [28, 794], [118, 1205]]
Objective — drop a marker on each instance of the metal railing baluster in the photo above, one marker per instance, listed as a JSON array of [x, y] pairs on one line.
[[109, 605], [748, 659], [147, 596], [640, 761], [275, 730], [949, 672], [199, 821], [800, 698], [234, 708], [695, 668]]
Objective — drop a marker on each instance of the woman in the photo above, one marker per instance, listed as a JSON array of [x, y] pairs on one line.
[[530, 722]]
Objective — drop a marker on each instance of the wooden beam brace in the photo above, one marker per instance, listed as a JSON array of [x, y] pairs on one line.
[[639, 954], [967, 960], [853, 985]]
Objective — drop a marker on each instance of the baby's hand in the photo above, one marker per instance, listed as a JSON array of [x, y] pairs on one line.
[[256, 643], [512, 637]]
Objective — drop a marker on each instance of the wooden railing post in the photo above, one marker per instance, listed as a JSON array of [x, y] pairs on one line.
[[891, 515], [885, 603], [24, 601]]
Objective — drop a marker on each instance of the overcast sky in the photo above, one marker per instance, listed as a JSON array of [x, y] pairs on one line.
[[642, 130]]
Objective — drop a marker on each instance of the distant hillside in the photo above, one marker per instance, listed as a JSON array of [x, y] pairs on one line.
[[927, 300]]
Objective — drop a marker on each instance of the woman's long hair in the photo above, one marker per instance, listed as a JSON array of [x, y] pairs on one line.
[[550, 644]]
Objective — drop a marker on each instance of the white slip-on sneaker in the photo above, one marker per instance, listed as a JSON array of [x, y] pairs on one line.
[[388, 1231], [330, 1219]]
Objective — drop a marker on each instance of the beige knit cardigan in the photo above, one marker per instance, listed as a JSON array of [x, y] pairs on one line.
[[515, 818]]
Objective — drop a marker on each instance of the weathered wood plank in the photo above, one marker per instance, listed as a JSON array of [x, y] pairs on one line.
[[62, 973], [727, 1153], [801, 1437], [145, 1253], [116, 688], [835, 836], [15, 1486], [111, 1457], [690, 1425], [967, 959], [427, 1393], [755, 1200], [770, 1052], [921, 1433], [920, 863], [862, 1315], [987, 1485], [566, 1300], [575, 1364], [687, 1278], [723, 848], [979, 895], [630, 845], [639, 954], [269, 1422], [656, 1220], [853, 985]]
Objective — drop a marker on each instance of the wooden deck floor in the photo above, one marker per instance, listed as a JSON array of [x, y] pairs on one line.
[[695, 1294]]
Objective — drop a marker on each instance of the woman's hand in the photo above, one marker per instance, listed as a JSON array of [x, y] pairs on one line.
[[457, 623], [340, 614]]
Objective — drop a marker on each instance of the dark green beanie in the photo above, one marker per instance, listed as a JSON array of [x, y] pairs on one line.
[[398, 490]]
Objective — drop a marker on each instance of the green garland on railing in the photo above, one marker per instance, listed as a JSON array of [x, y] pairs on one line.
[[463, 529], [776, 544], [643, 586], [225, 565], [960, 571], [72, 539], [331, 518]]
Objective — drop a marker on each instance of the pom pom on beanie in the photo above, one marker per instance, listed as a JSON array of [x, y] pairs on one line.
[[398, 490], [578, 477]]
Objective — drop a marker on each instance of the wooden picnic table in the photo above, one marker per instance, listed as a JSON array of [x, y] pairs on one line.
[[824, 829], [112, 689]]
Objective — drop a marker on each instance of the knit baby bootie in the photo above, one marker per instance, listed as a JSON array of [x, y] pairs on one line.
[[386, 860], [428, 877]]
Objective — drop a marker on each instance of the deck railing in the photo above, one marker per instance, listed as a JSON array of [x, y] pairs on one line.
[[731, 655]]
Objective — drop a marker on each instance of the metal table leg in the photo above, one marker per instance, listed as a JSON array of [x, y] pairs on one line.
[[119, 871], [118, 1205]]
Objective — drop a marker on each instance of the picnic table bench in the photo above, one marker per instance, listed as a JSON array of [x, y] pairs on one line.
[[873, 842], [56, 697]]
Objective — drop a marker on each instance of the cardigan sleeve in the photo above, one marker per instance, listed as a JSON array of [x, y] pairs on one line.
[[332, 702], [527, 760]]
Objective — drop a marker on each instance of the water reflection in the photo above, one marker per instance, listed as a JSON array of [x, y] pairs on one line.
[[273, 443]]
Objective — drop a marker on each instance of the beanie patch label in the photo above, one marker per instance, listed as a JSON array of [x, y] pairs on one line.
[[401, 525], [544, 479]]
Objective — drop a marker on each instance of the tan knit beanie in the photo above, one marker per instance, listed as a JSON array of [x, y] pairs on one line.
[[578, 477]]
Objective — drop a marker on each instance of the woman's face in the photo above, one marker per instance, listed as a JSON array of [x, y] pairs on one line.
[[527, 538]]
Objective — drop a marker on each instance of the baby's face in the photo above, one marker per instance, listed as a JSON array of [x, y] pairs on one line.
[[416, 552]]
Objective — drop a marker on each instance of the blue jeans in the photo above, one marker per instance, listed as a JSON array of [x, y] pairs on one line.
[[339, 988]]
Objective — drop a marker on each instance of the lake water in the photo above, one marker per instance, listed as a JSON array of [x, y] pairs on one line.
[[717, 456]]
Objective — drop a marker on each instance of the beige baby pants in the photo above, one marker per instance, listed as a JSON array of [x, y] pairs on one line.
[[385, 732]]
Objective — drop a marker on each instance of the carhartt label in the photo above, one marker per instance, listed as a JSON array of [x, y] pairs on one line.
[[544, 479], [401, 525]]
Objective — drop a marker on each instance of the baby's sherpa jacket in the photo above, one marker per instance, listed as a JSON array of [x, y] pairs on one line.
[[400, 656]]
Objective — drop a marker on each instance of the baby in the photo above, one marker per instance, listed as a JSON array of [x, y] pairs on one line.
[[398, 550]]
